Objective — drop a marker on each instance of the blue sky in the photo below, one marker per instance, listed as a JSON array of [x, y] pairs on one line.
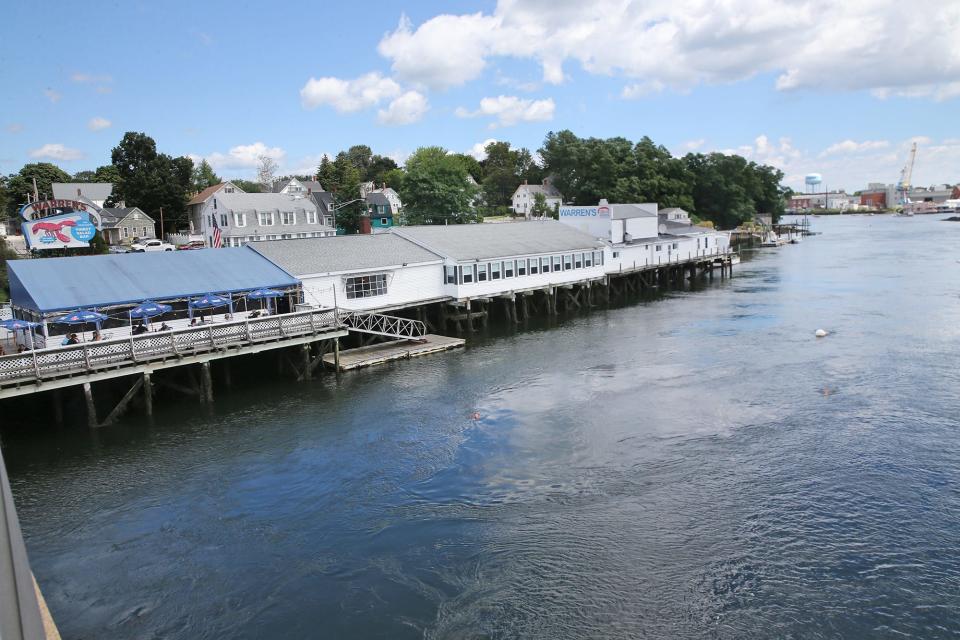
[[804, 85]]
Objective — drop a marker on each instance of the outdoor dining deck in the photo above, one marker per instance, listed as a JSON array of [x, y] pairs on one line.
[[61, 366]]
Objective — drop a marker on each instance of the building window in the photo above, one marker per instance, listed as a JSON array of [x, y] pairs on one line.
[[508, 269], [273, 237], [616, 254], [544, 265], [286, 236], [450, 274], [482, 272], [228, 190], [495, 271], [598, 258], [467, 273], [522, 267], [288, 217], [366, 286], [265, 218], [534, 266], [659, 247], [125, 231], [706, 242], [577, 260], [556, 263], [223, 219], [210, 219], [676, 245], [240, 219], [567, 262], [214, 204], [588, 259], [311, 217], [384, 221], [303, 235]]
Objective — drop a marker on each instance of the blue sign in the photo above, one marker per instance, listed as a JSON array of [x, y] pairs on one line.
[[83, 231]]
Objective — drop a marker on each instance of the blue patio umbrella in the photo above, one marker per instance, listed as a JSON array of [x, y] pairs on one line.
[[264, 294], [147, 309], [210, 301], [82, 316], [15, 324]]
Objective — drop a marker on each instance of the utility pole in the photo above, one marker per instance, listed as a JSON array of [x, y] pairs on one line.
[[161, 223]]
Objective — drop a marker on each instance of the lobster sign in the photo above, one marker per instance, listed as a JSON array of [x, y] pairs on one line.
[[59, 224]]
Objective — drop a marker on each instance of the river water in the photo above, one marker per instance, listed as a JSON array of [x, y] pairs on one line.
[[697, 466]]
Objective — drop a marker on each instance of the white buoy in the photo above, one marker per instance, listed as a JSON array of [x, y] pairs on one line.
[[821, 333]]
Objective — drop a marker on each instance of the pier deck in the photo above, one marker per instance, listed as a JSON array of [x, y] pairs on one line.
[[394, 350]]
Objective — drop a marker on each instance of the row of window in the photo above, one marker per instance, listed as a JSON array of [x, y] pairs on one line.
[[501, 269], [267, 218], [239, 241], [125, 232]]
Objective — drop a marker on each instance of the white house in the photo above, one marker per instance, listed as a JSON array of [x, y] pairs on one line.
[[481, 260], [360, 272], [524, 197], [381, 197], [247, 217]]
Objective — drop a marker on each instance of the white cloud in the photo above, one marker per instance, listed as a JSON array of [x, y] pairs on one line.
[[851, 146], [98, 124], [509, 110], [52, 95], [243, 156], [479, 150], [56, 152], [85, 78], [406, 109], [348, 95], [889, 47], [642, 89]]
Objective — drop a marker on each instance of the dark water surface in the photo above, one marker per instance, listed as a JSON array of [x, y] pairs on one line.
[[699, 466]]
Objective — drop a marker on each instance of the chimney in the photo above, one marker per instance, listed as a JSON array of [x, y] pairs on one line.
[[309, 190], [365, 224], [524, 182]]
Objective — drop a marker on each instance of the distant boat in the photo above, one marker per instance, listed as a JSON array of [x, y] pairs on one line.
[[735, 258]]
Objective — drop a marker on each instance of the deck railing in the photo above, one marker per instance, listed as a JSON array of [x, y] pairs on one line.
[[157, 346], [379, 324]]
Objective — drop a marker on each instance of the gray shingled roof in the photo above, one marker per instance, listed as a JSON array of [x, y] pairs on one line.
[[377, 198], [622, 211], [482, 241], [90, 190], [307, 256], [323, 200], [112, 216]]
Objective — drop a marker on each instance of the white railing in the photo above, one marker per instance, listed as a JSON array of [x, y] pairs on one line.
[[383, 325], [135, 350]]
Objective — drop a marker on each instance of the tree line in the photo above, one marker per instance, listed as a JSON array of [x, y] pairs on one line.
[[437, 186]]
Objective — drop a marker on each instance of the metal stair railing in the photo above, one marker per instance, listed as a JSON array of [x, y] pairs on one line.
[[381, 325]]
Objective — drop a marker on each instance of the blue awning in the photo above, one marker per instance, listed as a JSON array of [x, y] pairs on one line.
[[64, 284]]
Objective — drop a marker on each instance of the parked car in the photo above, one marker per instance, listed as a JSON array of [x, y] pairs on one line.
[[193, 244], [151, 245]]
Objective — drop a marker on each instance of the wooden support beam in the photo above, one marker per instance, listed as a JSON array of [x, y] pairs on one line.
[[121, 407], [91, 407], [178, 387], [336, 353], [305, 372]]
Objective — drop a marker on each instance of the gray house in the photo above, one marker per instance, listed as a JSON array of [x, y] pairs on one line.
[[124, 225]]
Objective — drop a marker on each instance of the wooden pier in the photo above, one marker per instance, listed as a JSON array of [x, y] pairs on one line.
[[380, 353]]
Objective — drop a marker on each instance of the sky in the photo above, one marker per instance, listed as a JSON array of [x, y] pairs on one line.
[[839, 88]]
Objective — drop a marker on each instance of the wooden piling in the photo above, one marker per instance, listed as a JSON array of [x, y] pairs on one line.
[[91, 407], [207, 382], [148, 393]]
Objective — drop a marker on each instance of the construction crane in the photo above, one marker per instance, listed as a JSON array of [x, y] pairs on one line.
[[906, 174]]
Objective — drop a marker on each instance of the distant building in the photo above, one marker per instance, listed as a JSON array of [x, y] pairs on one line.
[[196, 206], [824, 200], [123, 225], [324, 202], [96, 192], [524, 197], [297, 186]]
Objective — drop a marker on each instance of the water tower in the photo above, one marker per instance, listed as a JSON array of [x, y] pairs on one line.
[[813, 181]]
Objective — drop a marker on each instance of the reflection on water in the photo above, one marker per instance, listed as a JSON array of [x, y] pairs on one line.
[[695, 466]]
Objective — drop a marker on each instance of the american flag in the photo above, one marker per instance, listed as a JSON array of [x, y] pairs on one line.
[[217, 238]]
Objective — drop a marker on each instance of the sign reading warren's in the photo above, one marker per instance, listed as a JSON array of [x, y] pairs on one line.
[[602, 211], [59, 224]]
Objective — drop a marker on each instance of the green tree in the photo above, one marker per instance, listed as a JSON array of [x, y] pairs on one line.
[[435, 188], [380, 167], [152, 180], [203, 176], [539, 208], [247, 185], [85, 176], [20, 185], [6, 254]]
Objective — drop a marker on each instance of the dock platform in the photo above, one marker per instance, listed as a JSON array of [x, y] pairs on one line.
[[394, 350]]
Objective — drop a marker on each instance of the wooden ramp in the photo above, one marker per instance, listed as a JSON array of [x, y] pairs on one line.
[[393, 350]]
